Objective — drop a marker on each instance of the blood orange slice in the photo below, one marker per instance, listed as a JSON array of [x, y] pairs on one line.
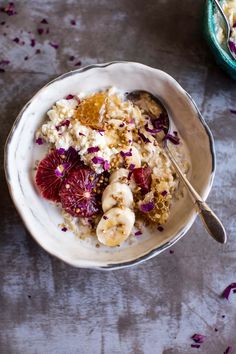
[[53, 169], [78, 194]]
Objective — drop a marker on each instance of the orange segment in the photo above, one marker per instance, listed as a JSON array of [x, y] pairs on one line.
[[88, 111]]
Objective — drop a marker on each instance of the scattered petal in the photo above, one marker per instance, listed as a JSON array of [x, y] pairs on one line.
[[106, 165], [2, 70], [44, 21], [71, 58], [227, 290], [164, 193], [64, 229], [69, 97], [195, 345], [39, 141], [78, 63], [143, 137], [233, 111], [105, 217], [38, 51], [40, 31], [171, 251], [16, 40], [9, 9], [73, 22], [198, 338], [138, 233], [32, 42], [54, 45], [4, 62], [160, 228], [147, 207], [26, 58], [93, 149], [228, 350]]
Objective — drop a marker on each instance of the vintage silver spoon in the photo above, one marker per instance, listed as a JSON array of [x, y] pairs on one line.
[[228, 29], [151, 104]]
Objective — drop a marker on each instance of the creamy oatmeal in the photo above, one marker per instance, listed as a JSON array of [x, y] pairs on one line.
[[105, 167]]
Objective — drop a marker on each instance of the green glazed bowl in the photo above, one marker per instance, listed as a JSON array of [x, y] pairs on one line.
[[223, 58]]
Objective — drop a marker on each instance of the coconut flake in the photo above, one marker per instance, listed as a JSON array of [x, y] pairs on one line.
[[227, 290], [147, 207], [93, 149]]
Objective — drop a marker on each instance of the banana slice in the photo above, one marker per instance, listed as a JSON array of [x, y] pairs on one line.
[[115, 226], [116, 194], [135, 159], [119, 176]]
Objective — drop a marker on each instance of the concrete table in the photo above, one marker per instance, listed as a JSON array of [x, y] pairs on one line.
[[48, 307]]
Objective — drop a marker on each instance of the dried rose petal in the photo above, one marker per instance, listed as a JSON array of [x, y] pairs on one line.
[[228, 350], [4, 62], [138, 233], [40, 31], [3, 23], [164, 193], [71, 58], [227, 290], [44, 21], [174, 139], [160, 228], [32, 42], [93, 149], [147, 207], [97, 160], [143, 137], [105, 217], [69, 97], [78, 63], [26, 58], [195, 345], [64, 229], [152, 131], [16, 40], [106, 165], [73, 22], [38, 51], [198, 338], [126, 154], [61, 169], [171, 251], [2, 70], [54, 45], [9, 9], [233, 111], [39, 141], [61, 151]]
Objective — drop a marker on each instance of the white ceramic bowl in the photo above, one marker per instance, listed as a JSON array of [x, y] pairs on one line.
[[42, 218]]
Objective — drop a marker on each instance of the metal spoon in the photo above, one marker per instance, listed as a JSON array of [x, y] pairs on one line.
[[151, 105], [228, 29]]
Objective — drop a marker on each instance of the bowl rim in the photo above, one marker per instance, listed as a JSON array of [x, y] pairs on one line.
[[154, 251], [212, 33]]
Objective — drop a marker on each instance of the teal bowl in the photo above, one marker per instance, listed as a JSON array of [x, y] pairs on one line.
[[222, 57]]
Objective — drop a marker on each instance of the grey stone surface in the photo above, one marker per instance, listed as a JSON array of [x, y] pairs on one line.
[[48, 307]]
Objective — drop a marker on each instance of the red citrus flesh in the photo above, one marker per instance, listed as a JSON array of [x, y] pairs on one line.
[[53, 169], [78, 193]]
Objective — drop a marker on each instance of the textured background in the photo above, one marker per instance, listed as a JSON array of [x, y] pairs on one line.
[[49, 307]]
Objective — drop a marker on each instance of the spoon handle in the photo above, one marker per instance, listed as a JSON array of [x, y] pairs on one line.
[[211, 222]]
